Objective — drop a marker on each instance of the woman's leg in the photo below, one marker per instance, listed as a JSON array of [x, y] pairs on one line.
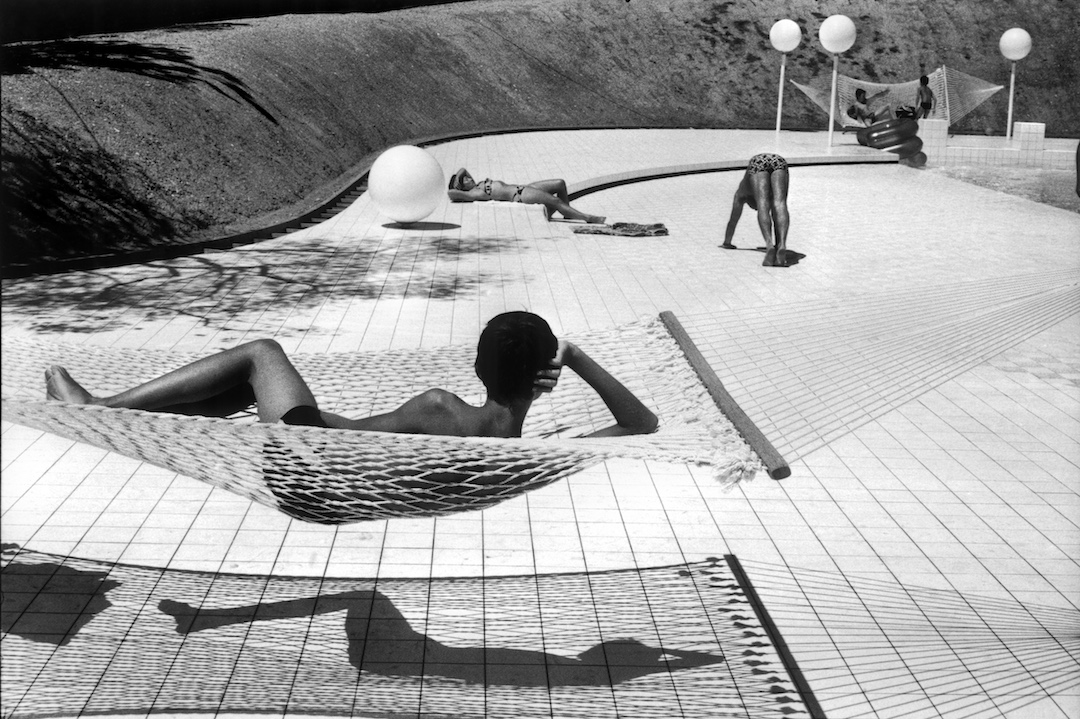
[[534, 196], [759, 184], [553, 187], [779, 184], [258, 369]]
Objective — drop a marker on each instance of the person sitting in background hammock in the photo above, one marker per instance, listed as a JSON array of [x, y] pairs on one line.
[[518, 358], [552, 194], [868, 110]]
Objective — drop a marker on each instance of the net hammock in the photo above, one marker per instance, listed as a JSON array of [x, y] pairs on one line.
[[337, 476], [956, 94]]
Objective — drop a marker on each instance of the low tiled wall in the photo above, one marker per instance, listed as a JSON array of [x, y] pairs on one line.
[[1027, 148], [859, 156]]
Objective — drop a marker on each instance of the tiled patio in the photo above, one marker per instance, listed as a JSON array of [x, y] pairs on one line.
[[919, 368]]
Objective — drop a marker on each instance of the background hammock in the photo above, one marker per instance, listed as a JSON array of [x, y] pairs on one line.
[[956, 94], [337, 476]]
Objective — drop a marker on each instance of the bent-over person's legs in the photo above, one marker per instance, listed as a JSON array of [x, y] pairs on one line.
[[762, 189], [778, 181]]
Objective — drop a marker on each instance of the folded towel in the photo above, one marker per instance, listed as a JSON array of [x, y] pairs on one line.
[[624, 229]]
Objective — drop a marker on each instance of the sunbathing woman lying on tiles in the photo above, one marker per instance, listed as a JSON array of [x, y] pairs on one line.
[[549, 193]]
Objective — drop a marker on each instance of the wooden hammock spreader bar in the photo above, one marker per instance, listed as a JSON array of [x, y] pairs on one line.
[[776, 465]]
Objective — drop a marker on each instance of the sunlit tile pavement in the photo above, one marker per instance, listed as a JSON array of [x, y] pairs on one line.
[[918, 368]]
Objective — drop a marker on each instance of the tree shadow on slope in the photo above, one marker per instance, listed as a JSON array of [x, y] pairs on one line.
[[158, 62], [222, 288], [64, 196]]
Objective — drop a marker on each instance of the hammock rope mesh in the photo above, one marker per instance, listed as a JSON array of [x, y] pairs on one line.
[[337, 476], [957, 94]]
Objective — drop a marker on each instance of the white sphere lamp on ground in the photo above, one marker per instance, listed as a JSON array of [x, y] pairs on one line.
[[785, 36], [406, 183], [837, 35], [1015, 44]]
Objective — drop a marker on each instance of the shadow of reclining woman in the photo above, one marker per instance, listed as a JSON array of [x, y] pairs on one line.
[[381, 641]]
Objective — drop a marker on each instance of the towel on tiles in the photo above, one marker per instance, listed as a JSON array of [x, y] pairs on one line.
[[623, 229]]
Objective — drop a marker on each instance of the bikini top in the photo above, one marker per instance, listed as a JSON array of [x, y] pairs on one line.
[[487, 186]]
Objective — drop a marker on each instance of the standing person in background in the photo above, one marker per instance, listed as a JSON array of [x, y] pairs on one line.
[[924, 99]]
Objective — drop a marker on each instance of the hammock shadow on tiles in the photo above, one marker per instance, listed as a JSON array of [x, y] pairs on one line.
[[84, 638], [336, 476]]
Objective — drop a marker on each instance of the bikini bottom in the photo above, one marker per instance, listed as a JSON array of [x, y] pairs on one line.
[[304, 415], [766, 162]]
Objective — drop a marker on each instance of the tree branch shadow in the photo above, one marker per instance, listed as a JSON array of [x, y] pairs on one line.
[[219, 288], [158, 62], [63, 195]]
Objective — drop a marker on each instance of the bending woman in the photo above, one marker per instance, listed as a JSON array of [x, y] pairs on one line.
[[764, 187], [551, 194], [518, 358]]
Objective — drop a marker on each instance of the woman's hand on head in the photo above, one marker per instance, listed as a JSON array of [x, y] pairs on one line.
[[564, 354], [546, 379]]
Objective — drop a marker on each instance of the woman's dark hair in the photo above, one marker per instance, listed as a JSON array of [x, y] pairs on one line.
[[512, 349]]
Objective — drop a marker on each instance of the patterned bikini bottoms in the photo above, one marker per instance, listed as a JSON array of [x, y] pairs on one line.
[[517, 194], [766, 162]]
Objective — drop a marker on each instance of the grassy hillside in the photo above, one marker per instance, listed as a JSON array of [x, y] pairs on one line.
[[196, 131]]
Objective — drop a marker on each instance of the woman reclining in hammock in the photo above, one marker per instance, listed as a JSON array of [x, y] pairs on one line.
[[517, 358], [551, 194]]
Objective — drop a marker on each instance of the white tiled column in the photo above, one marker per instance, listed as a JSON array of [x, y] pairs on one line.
[[1029, 137], [935, 135]]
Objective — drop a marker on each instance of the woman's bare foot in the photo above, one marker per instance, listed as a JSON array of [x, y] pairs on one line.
[[594, 220], [59, 386]]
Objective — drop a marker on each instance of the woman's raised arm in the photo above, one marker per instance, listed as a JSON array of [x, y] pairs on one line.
[[630, 413]]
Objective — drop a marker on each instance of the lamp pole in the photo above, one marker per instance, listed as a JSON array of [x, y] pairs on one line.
[[780, 95], [832, 95], [1012, 93]]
